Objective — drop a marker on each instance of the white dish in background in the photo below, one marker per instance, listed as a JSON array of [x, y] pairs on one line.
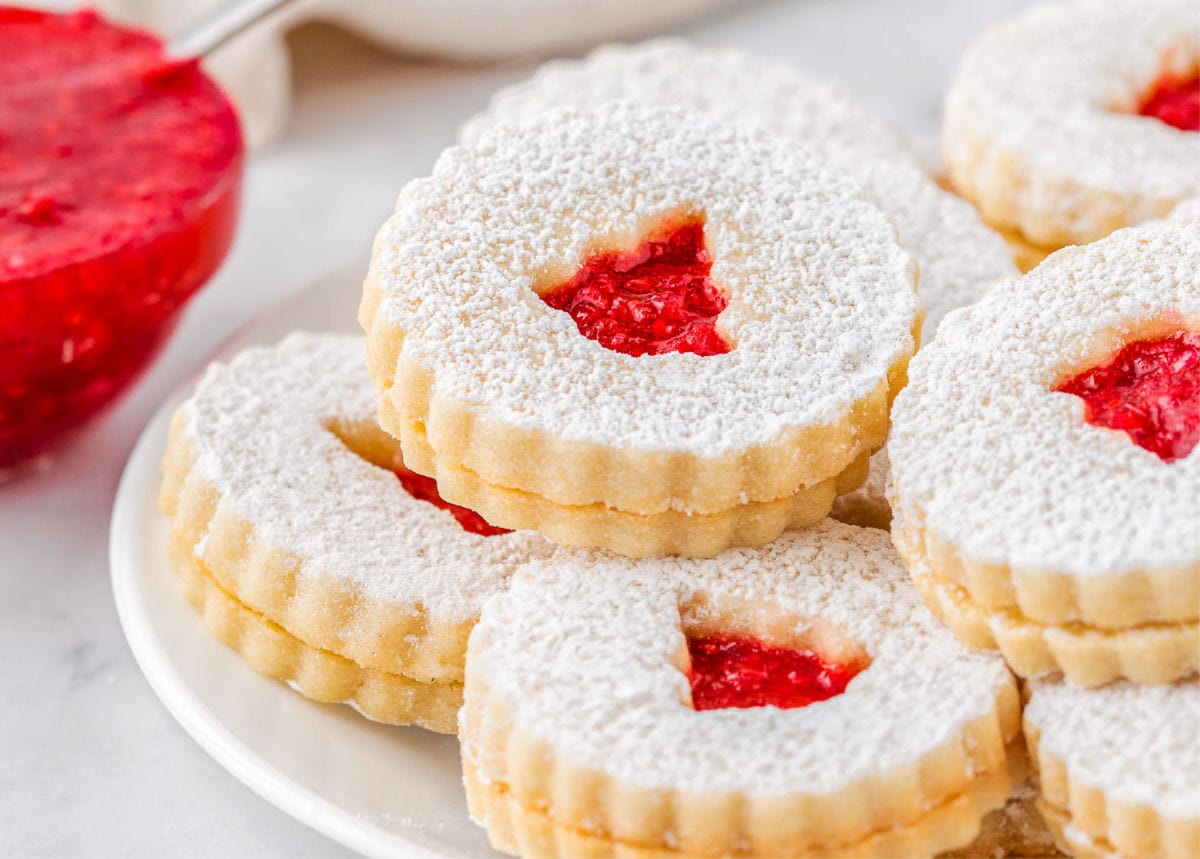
[[255, 66], [380, 790]]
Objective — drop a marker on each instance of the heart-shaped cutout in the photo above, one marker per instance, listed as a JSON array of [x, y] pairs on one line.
[[1150, 390], [367, 441], [654, 299], [741, 671], [747, 653]]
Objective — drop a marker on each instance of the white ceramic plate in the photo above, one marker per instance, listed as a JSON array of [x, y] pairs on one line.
[[379, 790]]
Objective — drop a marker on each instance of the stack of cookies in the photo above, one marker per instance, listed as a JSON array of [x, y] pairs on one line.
[[1047, 503], [735, 319], [628, 347], [311, 549], [1046, 123]]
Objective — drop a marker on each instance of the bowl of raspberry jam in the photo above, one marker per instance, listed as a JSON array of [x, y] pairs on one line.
[[120, 179]]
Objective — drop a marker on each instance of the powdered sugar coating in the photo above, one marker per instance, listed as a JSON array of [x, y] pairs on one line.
[[1136, 744], [1006, 470], [958, 256], [723, 83], [259, 429], [617, 623], [821, 297], [1052, 96]]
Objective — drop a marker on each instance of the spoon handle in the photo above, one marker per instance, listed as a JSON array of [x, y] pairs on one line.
[[221, 25]]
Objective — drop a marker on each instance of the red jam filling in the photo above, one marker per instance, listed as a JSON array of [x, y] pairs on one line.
[[655, 299], [739, 671], [119, 182], [1150, 391], [425, 489], [1175, 101]]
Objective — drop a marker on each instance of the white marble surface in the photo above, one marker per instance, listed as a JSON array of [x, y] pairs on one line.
[[90, 762]]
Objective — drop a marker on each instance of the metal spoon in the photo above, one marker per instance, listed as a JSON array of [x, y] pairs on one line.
[[221, 25]]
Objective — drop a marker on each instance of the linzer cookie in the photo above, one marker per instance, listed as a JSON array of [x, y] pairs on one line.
[[311, 550], [1117, 767], [789, 700], [637, 329], [958, 257], [1045, 479], [1077, 118]]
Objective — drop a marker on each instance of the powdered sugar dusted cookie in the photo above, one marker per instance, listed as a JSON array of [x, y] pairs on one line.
[[794, 699], [1117, 766], [723, 83], [638, 329], [1078, 118], [1044, 472], [311, 549], [958, 257]]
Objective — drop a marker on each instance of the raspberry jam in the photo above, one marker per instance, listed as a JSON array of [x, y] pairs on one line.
[[1175, 101], [425, 489], [120, 174], [1150, 391], [655, 299], [739, 671]]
